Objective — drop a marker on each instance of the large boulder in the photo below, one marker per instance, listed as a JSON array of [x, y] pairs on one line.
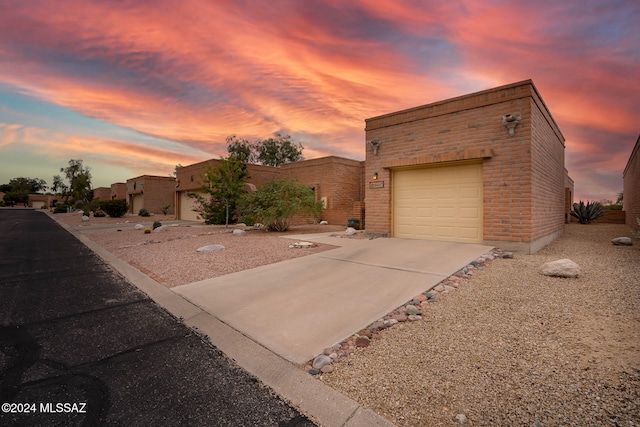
[[560, 268], [238, 232], [622, 241]]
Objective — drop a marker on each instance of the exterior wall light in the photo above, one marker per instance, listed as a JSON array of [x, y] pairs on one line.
[[375, 143], [375, 175], [510, 121]]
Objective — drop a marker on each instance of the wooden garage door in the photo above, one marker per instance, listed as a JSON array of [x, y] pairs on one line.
[[439, 203], [137, 201], [186, 207]]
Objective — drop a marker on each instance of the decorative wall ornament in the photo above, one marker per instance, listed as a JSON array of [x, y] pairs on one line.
[[510, 121], [375, 143]]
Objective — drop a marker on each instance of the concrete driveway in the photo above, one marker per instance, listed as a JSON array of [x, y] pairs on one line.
[[299, 307]]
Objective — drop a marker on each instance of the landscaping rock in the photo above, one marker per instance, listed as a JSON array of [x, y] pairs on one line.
[[622, 241], [326, 369], [210, 248], [238, 232], [320, 361], [400, 317], [411, 310], [302, 245], [350, 231], [414, 317], [85, 218], [324, 223], [560, 268], [161, 229], [363, 341]]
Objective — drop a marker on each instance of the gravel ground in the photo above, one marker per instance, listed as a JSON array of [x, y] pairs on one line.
[[170, 256], [513, 347]]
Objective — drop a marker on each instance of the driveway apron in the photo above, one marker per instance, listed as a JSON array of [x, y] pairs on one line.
[[299, 307]]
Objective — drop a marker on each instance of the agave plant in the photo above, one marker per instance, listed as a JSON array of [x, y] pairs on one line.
[[587, 213]]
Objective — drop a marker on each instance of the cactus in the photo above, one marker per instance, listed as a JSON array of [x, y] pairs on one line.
[[587, 213]]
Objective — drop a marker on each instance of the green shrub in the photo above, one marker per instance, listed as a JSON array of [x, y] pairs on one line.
[[99, 213], [156, 224], [587, 213], [165, 209], [143, 212], [276, 202], [147, 230], [61, 208], [114, 208]]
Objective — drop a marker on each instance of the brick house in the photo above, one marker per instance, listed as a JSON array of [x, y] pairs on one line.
[[151, 193], [102, 193], [119, 191], [40, 201], [487, 167], [336, 181], [189, 180], [631, 188]]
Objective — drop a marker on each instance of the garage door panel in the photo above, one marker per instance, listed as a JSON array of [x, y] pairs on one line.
[[439, 203]]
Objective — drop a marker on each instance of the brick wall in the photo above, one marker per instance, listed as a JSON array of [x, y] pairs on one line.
[[335, 180], [631, 176], [609, 217], [119, 191], [547, 174], [156, 191], [470, 128], [103, 193]]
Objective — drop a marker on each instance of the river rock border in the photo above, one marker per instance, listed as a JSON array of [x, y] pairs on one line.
[[410, 312]]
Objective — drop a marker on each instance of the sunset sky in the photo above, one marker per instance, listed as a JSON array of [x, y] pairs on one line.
[[136, 87]]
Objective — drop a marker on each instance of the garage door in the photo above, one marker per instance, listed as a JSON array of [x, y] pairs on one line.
[[137, 201], [439, 203], [186, 207], [38, 204]]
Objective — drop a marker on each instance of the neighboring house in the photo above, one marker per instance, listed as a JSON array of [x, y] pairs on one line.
[[40, 201], [487, 167], [336, 181], [151, 193], [631, 188], [118, 191], [102, 193], [189, 181]]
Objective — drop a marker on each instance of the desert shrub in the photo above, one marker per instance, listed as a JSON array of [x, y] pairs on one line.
[[156, 224], [165, 209], [143, 212], [114, 208], [276, 202], [61, 208], [587, 213], [147, 230], [99, 213]]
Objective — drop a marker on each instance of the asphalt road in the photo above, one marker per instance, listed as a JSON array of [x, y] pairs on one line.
[[79, 345]]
